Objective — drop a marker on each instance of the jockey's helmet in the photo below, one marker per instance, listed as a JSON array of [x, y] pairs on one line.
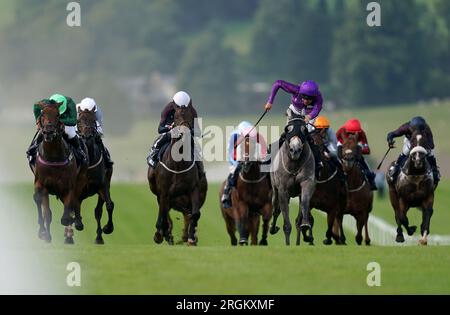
[[181, 99], [309, 88], [87, 103], [418, 122], [353, 125], [244, 125], [58, 98], [322, 122]]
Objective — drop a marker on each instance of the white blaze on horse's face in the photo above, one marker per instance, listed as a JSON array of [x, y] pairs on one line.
[[348, 159], [295, 147]]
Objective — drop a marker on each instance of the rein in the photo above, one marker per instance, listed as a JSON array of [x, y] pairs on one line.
[[96, 164], [328, 179], [177, 172], [248, 181]]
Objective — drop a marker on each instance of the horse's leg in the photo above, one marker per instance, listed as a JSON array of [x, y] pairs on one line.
[[266, 214], [243, 223], [98, 217], [253, 223], [231, 229], [195, 216], [403, 207], [340, 222], [331, 217], [427, 212], [38, 200], [67, 219], [186, 227], [308, 187], [106, 196], [161, 223], [366, 230], [276, 212], [284, 207], [359, 226], [169, 237], [297, 225]]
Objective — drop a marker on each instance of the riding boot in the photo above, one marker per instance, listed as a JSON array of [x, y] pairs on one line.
[[316, 152], [394, 171], [152, 158], [340, 171], [436, 174], [231, 182], [368, 173], [280, 143], [80, 155], [106, 156], [32, 150]]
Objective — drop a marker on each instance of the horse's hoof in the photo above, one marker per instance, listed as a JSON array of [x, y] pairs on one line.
[[311, 243], [191, 242], [412, 230], [234, 242], [42, 235], [308, 239], [243, 242], [400, 238], [367, 242], [327, 242], [274, 230], [158, 238], [170, 240], [305, 227], [423, 242], [108, 228], [69, 241], [79, 226], [263, 243], [66, 221], [99, 241]]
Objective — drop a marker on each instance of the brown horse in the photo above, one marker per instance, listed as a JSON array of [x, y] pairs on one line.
[[251, 199], [414, 188], [98, 176], [359, 194], [56, 173], [330, 195], [176, 181]]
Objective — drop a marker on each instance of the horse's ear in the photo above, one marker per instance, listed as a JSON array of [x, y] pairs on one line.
[[288, 129]]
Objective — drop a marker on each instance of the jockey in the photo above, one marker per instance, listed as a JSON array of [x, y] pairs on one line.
[[407, 129], [307, 101], [244, 128], [322, 125], [180, 99], [90, 104], [353, 126], [68, 116]]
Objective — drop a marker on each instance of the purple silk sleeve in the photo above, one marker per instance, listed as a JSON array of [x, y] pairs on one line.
[[285, 86]]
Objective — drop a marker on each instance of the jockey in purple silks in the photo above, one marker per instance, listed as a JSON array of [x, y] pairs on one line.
[[306, 101]]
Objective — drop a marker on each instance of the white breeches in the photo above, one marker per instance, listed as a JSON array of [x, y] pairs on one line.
[[71, 131]]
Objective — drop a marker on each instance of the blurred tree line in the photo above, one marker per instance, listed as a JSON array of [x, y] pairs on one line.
[[406, 59]]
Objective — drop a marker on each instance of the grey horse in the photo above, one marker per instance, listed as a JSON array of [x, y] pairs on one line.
[[293, 175]]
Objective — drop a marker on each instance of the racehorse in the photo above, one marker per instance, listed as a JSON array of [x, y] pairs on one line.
[[56, 173], [330, 195], [359, 194], [251, 199], [292, 175], [176, 181], [98, 176], [414, 188]]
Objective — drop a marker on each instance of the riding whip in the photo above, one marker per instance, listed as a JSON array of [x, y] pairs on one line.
[[379, 165]]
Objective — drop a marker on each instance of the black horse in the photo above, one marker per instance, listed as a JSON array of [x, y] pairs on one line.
[[99, 176]]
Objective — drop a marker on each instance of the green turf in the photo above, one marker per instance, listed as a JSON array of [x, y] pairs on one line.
[[130, 262]]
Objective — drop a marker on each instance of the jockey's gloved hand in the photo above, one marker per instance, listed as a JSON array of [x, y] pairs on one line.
[[390, 140]]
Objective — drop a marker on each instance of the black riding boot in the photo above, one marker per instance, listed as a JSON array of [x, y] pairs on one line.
[[436, 174], [316, 152], [368, 173], [152, 159], [106, 156], [340, 171], [395, 169], [80, 155], [231, 182], [32, 149]]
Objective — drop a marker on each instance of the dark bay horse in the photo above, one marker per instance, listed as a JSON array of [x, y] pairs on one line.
[[330, 195], [359, 194], [176, 181], [56, 173], [414, 188], [293, 175], [251, 199], [98, 176]]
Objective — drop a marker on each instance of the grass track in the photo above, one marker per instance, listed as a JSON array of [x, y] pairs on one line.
[[130, 263]]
